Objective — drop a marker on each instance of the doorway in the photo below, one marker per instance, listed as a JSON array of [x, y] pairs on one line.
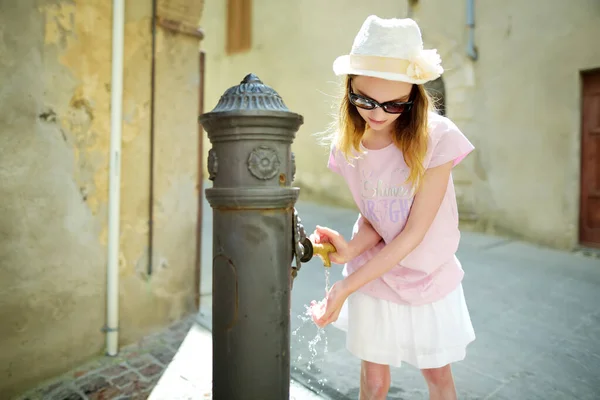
[[589, 211]]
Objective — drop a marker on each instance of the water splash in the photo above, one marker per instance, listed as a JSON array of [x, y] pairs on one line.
[[317, 346]]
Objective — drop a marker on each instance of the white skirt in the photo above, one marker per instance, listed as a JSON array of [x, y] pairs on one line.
[[426, 336]]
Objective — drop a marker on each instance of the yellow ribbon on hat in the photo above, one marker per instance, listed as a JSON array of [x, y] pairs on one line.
[[379, 64], [424, 67]]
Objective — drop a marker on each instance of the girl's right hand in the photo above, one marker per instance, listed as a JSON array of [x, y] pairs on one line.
[[343, 253]]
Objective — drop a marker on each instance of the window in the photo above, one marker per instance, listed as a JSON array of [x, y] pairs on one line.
[[239, 26]]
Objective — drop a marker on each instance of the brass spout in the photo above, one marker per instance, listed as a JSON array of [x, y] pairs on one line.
[[323, 250], [305, 250]]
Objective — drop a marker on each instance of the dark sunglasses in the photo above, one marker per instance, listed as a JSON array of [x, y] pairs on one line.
[[390, 107]]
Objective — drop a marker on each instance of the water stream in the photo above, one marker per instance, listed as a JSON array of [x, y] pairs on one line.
[[316, 345]]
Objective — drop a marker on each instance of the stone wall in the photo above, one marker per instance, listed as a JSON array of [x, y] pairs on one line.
[[55, 63], [519, 102]]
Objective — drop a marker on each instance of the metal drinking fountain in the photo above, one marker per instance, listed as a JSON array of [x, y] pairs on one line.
[[257, 234]]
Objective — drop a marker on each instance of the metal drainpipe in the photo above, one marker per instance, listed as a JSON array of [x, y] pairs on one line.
[[471, 48], [114, 191], [411, 8]]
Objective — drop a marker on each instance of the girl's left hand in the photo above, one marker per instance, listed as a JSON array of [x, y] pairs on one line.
[[333, 305]]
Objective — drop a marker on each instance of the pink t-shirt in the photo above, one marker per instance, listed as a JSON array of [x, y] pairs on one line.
[[376, 181]]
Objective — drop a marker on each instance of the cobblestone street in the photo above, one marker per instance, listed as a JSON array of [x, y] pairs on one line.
[[131, 375]]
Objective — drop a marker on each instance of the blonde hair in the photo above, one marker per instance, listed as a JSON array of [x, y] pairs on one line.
[[410, 131]]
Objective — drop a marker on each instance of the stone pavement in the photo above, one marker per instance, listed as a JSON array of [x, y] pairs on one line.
[[189, 375], [536, 314], [130, 375], [174, 364]]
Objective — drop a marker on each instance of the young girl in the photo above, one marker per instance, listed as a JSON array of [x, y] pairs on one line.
[[402, 297]]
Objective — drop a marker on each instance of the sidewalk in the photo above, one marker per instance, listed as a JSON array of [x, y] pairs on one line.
[[536, 314], [174, 364], [189, 376], [129, 376]]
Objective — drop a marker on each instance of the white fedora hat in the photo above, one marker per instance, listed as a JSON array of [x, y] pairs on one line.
[[390, 49]]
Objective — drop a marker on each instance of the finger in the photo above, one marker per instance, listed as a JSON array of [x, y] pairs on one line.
[[324, 239], [325, 323], [333, 317], [334, 257], [336, 315], [320, 239], [327, 317], [326, 231], [332, 237], [329, 311]]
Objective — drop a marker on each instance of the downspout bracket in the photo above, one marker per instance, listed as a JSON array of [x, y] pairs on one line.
[[106, 329]]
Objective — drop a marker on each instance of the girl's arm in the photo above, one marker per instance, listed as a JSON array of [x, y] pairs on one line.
[[424, 209], [366, 237]]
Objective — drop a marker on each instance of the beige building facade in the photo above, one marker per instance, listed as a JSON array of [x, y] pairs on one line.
[[55, 64], [529, 103], [519, 101]]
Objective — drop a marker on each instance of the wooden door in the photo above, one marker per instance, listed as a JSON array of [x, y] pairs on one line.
[[589, 221]]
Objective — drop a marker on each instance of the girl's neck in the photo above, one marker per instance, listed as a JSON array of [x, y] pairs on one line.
[[373, 140]]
